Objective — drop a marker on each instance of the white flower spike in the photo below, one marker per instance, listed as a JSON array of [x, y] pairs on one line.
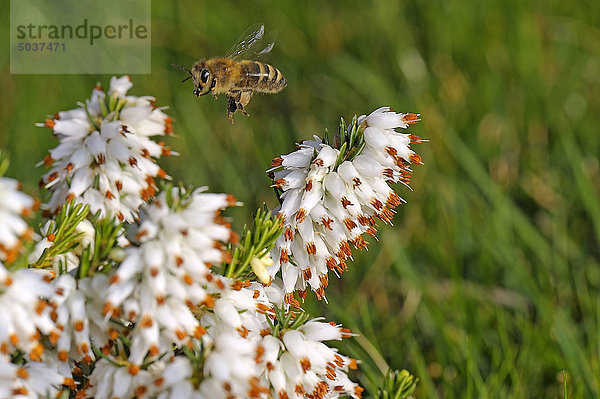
[[331, 196], [105, 156]]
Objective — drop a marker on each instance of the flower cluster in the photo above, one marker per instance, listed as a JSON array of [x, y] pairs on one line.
[[21, 291], [243, 354], [13, 229], [301, 365], [24, 311], [331, 196], [281, 351], [166, 292], [131, 292], [32, 380], [166, 276], [105, 157]]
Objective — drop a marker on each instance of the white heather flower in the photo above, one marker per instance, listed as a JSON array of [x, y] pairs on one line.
[[328, 203], [298, 364], [32, 380], [259, 267], [235, 357], [87, 233], [172, 382], [111, 381], [72, 320], [167, 274], [317, 330], [231, 369], [244, 355], [232, 363], [101, 330], [24, 313], [105, 157], [120, 86], [13, 229]]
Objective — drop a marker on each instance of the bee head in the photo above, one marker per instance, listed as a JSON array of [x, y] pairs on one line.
[[203, 78]]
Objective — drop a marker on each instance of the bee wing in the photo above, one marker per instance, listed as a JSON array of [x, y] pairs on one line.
[[253, 44]]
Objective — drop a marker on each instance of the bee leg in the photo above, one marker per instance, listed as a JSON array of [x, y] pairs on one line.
[[231, 108], [233, 103], [237, 100], [245, 97]]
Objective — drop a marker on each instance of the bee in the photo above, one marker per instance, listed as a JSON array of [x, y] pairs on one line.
[[234, 75]]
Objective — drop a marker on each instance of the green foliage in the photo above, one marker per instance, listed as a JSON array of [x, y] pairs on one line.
[[287, 319], [397, 384], [62, 233], [4, 163], [100, 256], [256, 242], [179, 201], [349, 140], [64, 237]]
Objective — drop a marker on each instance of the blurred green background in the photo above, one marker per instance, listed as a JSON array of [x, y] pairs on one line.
[[487, 284]]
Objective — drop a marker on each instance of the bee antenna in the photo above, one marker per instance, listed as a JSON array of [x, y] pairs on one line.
[[183, 69]]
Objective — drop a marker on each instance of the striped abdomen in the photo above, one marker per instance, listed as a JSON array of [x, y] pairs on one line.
[[261, 77]]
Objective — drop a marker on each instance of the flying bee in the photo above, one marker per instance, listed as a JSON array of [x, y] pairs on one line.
[[235, 74]]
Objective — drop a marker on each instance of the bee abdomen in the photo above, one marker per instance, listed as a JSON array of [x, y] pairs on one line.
[[263, 77]]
